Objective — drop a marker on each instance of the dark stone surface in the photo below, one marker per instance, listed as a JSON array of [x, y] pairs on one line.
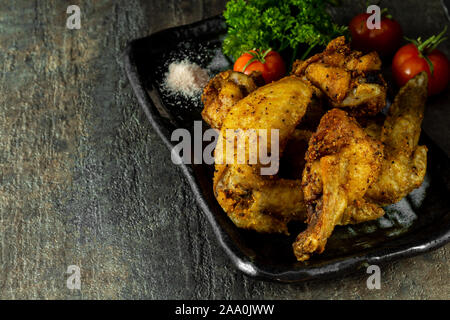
[[85, 180]]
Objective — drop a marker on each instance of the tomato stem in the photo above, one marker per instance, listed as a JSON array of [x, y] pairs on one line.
[[249, 62], [257, 55], [427, 46], [430, 64]]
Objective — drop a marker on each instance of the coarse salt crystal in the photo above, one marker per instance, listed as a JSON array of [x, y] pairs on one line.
[[186, 78]]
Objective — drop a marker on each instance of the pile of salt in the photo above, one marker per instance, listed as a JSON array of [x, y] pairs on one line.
[[186, 78]]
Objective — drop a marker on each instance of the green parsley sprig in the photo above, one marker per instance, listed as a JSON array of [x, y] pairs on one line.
[[278, 24]]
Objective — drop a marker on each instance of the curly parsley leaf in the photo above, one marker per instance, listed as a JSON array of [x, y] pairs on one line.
[[278, 24]]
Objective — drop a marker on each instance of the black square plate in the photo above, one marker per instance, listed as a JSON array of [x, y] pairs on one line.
[[419, 223]]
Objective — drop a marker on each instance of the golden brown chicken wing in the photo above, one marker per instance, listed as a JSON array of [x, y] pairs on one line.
[[348, 79], [265, 203], [342, 161], [404, 165], [225, 90]]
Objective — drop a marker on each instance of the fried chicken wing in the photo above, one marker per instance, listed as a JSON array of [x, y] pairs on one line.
[[349, 79], [259, 203], [333, 81], [225, 90], [342, 162], [405, 162], [265, 203]]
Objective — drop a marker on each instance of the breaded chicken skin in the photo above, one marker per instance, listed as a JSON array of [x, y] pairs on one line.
[[405, 163], [265, 203], [224, 91], [342, 162], [349, 79]]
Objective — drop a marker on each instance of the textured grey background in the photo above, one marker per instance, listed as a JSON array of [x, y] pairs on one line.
[[85, 180]]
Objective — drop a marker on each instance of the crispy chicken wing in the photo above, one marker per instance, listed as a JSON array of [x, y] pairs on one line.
[[225, 90], [342, 161], [348, 79], [405, 162], [265, 203]]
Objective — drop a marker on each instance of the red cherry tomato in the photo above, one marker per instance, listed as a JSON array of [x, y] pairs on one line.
[[384, 40], [408, 62], [269, 63]]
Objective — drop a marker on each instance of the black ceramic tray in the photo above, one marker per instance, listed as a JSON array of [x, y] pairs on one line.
[[420, 223]]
